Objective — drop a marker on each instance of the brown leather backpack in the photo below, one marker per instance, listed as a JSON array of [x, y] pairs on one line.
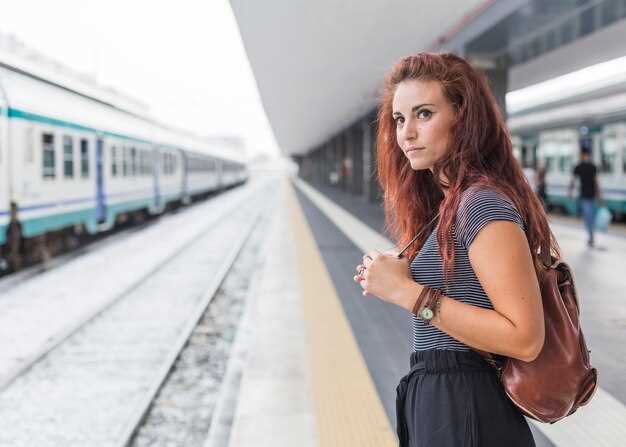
[[561, 378]]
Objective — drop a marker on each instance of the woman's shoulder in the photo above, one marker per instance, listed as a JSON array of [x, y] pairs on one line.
[[481, 204], [482, 194]]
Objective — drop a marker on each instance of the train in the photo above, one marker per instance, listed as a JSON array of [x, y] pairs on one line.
[[551, 127], [72, 162]]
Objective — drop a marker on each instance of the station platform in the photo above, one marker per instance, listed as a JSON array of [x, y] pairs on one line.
[[322, 362]]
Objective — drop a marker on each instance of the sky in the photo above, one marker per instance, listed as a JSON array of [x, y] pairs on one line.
[[185, 59]]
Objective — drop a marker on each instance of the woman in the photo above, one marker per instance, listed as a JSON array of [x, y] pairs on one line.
[[470, 279]]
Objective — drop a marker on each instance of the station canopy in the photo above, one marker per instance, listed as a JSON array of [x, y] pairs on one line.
[[319, 65]]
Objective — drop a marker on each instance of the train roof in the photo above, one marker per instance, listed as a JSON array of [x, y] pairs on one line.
[[595, 94], [37, 99]]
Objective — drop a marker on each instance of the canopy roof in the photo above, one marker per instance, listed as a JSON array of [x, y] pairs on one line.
[[319, 65]]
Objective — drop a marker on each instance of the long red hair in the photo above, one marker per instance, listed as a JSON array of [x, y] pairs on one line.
[[480, 153]]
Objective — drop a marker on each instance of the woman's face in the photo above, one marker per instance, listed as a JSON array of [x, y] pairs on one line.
[[423, 118]]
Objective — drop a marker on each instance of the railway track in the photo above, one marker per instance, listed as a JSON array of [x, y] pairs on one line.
[[183, 409], [42, 328], [121, 354]]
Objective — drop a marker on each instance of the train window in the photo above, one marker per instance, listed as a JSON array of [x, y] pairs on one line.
[[47, 140], [113, 161], [141, 162], [133, 161], [84, 158], [124, 161], [68, 156], [608, 153], [565, 163]]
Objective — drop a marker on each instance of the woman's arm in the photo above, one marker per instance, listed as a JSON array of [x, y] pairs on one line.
[[501, 259]]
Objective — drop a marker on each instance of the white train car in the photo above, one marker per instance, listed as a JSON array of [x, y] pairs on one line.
[[197, 182], [233, 172], [553, 131], [71, 162], [202, 168], [74, 160]]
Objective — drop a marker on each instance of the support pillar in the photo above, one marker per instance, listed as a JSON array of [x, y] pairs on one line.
[[329, 162], [370, 183], [342, 160], [356, 150], [497, 73], [499, 82]]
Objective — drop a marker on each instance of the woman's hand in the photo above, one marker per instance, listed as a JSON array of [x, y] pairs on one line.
[[383, 275]]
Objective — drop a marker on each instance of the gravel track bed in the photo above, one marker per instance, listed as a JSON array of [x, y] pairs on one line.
[[181, 413], [40, 310], [83, 392]]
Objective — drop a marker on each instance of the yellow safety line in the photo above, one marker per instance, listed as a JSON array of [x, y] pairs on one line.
[[348, 410]]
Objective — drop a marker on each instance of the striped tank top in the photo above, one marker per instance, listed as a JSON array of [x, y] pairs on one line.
[[478, 206]]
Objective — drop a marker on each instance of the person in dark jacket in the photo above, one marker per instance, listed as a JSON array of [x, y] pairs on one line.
[[589, 191]]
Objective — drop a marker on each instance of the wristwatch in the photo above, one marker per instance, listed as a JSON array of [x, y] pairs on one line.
[[431, 308], [427, 314], [427, 304]]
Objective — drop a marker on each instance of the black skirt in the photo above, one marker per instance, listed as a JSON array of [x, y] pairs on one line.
[[454, 399]]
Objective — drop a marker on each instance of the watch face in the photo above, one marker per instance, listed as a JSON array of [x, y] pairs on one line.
[[427, 314]]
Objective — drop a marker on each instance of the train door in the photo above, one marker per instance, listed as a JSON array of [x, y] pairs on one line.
[[100, 195], [529, 150], [557, 151], [610, 165]]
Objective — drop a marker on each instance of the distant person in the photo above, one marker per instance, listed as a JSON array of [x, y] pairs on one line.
[[15, 240], [531, 176], [541, 184], [470, 280], [589, 191]]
